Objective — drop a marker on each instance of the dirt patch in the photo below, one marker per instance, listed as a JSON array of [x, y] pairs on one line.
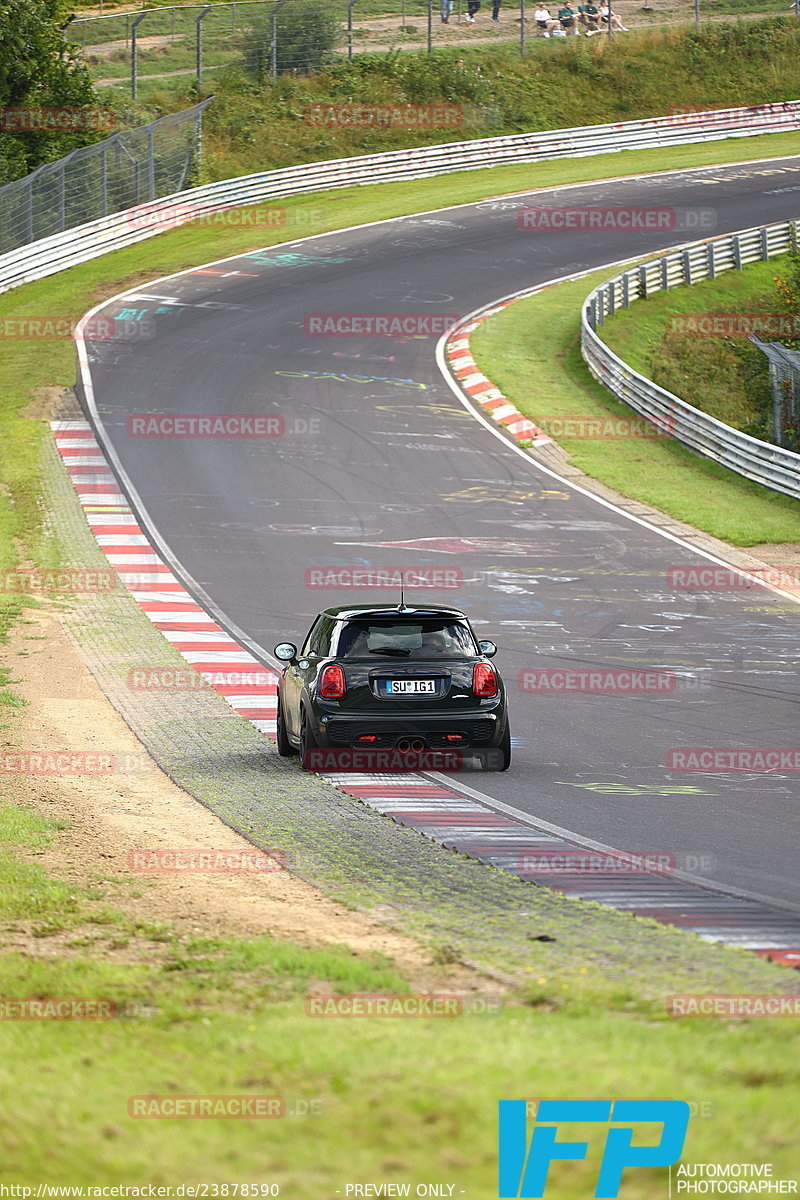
[[138, 807], [785, 555]]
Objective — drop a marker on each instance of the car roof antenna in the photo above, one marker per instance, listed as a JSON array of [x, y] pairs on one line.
[[402, 605]]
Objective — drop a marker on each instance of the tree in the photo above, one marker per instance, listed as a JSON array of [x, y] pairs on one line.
[[38, 70]]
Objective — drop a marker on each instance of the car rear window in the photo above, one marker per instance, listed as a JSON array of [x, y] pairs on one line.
[[429, 637]]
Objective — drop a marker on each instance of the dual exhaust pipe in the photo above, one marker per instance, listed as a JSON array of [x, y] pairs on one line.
[[409, 745]]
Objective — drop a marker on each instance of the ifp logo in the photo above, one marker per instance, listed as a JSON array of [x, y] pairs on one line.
[[524, 1166]]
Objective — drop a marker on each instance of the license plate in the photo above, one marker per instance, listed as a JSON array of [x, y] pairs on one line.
[[413, 687]]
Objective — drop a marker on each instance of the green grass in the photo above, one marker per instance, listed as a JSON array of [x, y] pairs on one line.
[[220, 1016], [531, 351], [705, 371]]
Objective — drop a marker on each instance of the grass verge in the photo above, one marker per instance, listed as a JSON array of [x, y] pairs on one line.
[[708, 372], [225, 1017], [531, 351]]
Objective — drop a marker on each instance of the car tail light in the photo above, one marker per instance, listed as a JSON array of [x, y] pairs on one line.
[[331, 683], [367, 737], [454, 737], [484, 680]]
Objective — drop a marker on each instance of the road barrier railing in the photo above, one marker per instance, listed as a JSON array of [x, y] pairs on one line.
[[768, 464], [60, 251]]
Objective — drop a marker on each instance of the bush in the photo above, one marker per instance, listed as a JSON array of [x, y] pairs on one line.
[[305, 37]]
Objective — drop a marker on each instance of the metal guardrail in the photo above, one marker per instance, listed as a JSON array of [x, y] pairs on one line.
[[763, 462], [60, 251]]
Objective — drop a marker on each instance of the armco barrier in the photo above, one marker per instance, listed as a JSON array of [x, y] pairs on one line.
[[763, 462], [56, 253]]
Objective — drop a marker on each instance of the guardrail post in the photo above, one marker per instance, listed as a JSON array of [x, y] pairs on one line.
[[104, 182], [737, 253], [664, 273], [29, 212], [350, 4], [134, 52], [273, 45], [62, 200], [151, 167], [592, 316], [711, 262], [626, 290], [643, 282], [687, 267], [764, 244], [199, 43], [611, 309]]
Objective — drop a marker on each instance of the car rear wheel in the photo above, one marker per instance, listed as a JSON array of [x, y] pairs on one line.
[[285, 747], [505, 749], [308, 741]]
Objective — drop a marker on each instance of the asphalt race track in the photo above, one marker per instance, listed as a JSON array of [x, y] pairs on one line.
[[381, 466]]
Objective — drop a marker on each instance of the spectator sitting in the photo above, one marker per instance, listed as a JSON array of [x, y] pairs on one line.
[[566, 17], [589, 17], [606, 13], [544, 21]]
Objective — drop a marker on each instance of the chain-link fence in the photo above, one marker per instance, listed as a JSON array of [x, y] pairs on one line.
[[784, 370], [155, 47], [129, 168]]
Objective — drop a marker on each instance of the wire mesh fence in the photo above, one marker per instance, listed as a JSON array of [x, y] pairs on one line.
[[129, 168], [784, 370], [153, 47]]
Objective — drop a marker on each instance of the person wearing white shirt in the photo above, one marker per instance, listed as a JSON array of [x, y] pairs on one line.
[[544, 21], [605, 13]]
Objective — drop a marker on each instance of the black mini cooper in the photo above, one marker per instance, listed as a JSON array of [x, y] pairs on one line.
[[402, 679]]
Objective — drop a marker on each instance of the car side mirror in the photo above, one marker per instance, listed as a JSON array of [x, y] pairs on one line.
[[286, 652], [487, 649]]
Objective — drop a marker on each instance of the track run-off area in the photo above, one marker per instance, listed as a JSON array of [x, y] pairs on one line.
[[379, 464]]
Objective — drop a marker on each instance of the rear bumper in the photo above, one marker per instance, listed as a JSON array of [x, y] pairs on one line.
[[453, 729]]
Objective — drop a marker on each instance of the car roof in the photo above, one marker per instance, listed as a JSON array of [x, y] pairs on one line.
[[346, 612]]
